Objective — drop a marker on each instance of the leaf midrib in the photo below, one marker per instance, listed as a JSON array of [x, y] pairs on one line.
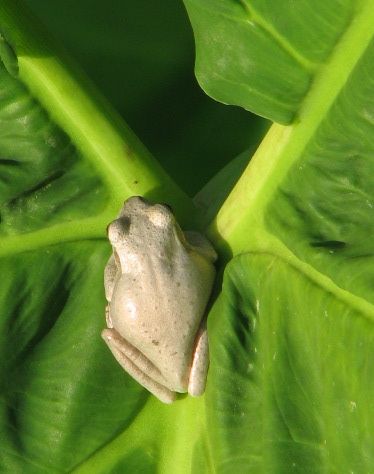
[[280, 251], [74, 104], [281, 41], [171, 419], [243, 212], [77, 230]]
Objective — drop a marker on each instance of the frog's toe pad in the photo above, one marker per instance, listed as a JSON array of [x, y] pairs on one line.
[[115, 344]]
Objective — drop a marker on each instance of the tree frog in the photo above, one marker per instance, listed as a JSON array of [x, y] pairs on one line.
[[157, 283]]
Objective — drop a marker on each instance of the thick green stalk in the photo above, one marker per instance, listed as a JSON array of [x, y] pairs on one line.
[[177, 431], [77, 107], [239, 226]]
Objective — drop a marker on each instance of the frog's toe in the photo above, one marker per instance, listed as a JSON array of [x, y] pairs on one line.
[[200, 364], [128, 356]]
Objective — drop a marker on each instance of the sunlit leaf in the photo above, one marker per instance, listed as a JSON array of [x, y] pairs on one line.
[[289, 387], [263, 55]]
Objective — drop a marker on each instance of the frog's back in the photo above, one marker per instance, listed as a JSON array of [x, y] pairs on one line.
[[162, 322]]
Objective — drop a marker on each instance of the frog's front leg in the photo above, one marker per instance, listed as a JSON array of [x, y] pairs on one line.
[[137, 365], [200, 363]]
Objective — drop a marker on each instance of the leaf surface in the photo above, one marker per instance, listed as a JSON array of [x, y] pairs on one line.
[[54, 372], [143, 63], [59, 395], [289, 386], [291, 332], [263, 55]]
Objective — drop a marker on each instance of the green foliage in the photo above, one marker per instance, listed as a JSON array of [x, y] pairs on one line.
[[291, 331], [330, 224], [41, 170], [262, 54], [141, 57], [289, 387]]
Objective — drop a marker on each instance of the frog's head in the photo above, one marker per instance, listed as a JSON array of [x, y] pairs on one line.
[[142, 225], [119, 229], [141, 212], [134, 206]]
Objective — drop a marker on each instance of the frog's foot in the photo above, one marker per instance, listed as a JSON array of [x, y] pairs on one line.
[[137, 365], [201, 244], [200, 364]]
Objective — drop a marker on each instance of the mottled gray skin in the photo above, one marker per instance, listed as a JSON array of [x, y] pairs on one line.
[[157, 284]]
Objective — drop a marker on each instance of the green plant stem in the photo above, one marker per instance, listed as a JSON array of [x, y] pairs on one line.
[[78, 108], [239, 226], [176, 432]]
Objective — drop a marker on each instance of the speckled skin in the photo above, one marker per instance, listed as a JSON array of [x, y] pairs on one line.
[[157, 283]]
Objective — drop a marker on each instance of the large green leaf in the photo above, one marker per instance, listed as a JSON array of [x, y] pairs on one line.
[[263, 55], [291, 333], [328, 195], [59, 394], [51, 297], [309, 187], [141, 57], [289, 387]]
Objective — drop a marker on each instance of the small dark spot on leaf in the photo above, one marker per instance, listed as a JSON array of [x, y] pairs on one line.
[[329, 244], [9, 162], [129, 152], [156, 343]]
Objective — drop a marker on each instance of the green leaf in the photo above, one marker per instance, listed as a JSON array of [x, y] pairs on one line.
[[289, 387], [59, 395], [291, 333], [263, 55], [73, 103], [328, 195], [41, 170], [54, 371], [309, 188], [55, 374], [141, 57]]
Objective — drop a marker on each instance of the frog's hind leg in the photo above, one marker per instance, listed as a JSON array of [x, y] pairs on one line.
[[200, 363], [137, 365]]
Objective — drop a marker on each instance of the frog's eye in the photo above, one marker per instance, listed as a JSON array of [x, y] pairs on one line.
[[159, 215], [125, 224], [117, 229]]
